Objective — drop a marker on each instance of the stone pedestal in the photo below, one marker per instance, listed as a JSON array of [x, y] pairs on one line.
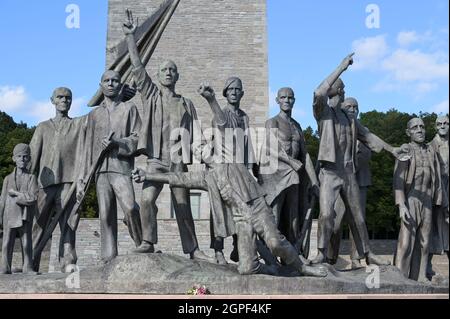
[[165, 274]]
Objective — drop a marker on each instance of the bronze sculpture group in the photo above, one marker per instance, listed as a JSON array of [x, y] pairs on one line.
[[268, 211]]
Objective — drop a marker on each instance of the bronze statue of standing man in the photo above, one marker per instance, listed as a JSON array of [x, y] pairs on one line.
[[439, 242], [165, 113], [417, 187], [287, 187], [337, 152]]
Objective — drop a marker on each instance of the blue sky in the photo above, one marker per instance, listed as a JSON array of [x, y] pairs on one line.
[[401, 64]]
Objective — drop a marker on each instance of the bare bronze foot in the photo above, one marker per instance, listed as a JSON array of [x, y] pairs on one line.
[[30, 271], [320, 259], [314, 271], [356, 264], [145, 248], [424, 280], [372, 259], [220, 258], [304, 260], [200, 255]]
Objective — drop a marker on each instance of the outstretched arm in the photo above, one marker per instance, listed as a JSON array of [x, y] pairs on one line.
[[140, 176], [143, 81], [180, 180], [376, 144], [129, 28], [321, 93], [207, 92], [326, 85]]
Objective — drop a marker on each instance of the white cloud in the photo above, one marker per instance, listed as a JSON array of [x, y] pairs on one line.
[[405, 38], [16, 102], [41, 111], [423, 88], [369, 52], [79, 107], [405, 65], [417, 65], [441, 107], [12, 98]]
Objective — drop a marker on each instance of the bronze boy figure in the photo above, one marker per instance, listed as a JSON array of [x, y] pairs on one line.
[[17, 208]]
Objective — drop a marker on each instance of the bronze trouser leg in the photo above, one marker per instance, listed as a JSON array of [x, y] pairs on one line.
[[363, 202], [335, 241], [405, 247], [331, 184], [27, 246], [49, 203], [181, 203], [108, 217], [286, 211], [264, 225], [182, 206], [67, 251], [149, 210], [406, 241], [351, 197], [9, 238], [124, 192], [248, 256], [419, 260], [216, 242], [277, 207]]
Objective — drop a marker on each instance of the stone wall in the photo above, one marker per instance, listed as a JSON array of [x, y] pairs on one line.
[[88, 241], [88, 244]]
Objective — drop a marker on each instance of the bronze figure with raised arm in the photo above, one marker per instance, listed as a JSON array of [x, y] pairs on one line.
[[339, 134]]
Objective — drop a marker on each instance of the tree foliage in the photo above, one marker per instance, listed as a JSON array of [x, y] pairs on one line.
[[11, 134]]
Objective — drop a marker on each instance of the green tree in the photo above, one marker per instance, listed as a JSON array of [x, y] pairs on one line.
[[11, 134], [312, 142]]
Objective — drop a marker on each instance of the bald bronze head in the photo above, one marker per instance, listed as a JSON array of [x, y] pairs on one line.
[[286, 99], [416, 130], [350, 105], [442, 126], [62, 99]]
